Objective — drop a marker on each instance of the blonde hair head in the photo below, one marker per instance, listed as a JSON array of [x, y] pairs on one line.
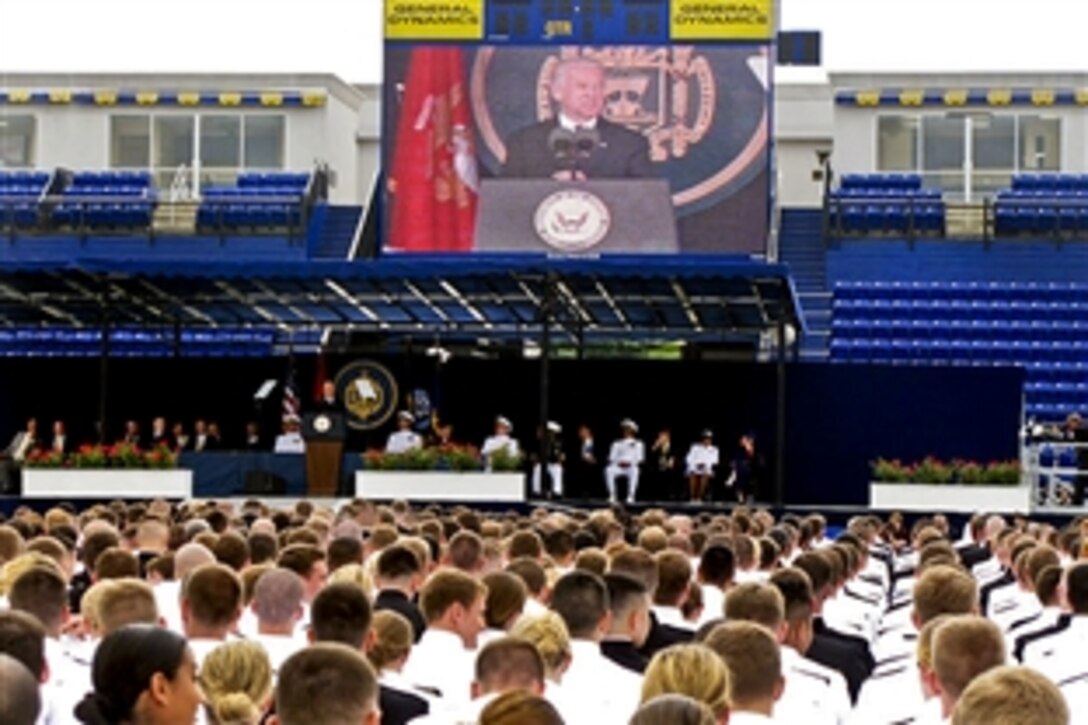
[[22, 563], [548, 633], [354, 574], [393, 637], [236, 679], [1011, 696], [692, 670]]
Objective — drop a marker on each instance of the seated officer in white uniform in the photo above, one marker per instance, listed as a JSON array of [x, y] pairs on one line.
[[702, 460], [290, 441], [624, 459], [404, 439], [500, 441]]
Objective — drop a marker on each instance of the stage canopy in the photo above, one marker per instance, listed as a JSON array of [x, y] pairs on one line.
[[694, 299]]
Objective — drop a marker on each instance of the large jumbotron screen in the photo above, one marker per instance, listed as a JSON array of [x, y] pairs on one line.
[[589, 127]]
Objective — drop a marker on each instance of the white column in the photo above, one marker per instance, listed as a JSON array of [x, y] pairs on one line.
[[968, 156], [196, 156]]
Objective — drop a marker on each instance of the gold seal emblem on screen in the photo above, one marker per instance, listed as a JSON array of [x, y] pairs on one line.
[[572, 220], [369, 394], [666, 93]]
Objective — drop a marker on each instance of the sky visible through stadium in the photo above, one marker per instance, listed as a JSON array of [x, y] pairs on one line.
[[344, 36]]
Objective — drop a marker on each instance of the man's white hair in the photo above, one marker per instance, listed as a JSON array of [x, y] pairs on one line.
[[559, 76]]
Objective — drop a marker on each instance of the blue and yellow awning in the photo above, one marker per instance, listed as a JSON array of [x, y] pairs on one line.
[[147, 98], [960, 97]]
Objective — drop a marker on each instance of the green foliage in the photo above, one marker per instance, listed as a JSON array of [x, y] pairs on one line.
[[935, 472]]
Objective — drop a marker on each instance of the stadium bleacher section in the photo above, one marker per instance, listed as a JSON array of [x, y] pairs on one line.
[[1043, 204], [886, 204], [257, 200], [1038, 326], [106, 200], [20, 193]]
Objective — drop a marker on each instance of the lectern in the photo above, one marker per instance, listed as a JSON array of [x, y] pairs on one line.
[[324, 434], [601, 216]]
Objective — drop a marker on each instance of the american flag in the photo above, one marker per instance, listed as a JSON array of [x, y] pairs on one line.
[[290, 399]]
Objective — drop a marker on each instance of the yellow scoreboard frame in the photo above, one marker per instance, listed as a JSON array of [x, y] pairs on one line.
[[751, 20], [434, 19], [689, 20]]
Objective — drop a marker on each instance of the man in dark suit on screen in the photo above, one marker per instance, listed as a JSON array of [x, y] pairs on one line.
[[577, 144]]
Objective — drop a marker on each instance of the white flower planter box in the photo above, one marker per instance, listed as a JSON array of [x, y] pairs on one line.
[[439, 486], [107, 483], [950, 498]]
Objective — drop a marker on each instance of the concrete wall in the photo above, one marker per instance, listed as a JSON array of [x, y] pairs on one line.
[[804, 125]]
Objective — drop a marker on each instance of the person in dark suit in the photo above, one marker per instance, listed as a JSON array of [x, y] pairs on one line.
[[577, 144], [341, 613], [630, 605], [327, 403], [398, 577], [60, 442]]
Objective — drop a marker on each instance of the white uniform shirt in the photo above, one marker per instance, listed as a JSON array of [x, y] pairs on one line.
[[595, 684], [627, 453], [891, 695], [713, 603], [439, 661], [497, 443], [1061, 656], [289, 443], [279, 647], [824, 684], [168, 601], [402, 441], [702, 459]]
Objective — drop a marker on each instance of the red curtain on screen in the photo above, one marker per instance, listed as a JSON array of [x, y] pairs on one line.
[[434, 182]]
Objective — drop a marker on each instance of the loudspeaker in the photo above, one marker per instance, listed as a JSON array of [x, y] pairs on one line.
[[263, 483]]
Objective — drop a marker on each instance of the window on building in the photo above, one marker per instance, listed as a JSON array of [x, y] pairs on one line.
[[130, 142], [897, 144], [228, 142], [17, 141], [264, 141], [221, 141], [1040, 143], [173, 141], [943, 143]]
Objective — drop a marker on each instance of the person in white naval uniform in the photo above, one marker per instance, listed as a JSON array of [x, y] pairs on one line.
[[624, 459], [404, 439], [500, 441], [701, 462]]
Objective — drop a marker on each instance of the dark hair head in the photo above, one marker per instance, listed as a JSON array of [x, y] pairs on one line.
[[818, 569], [95, 544], [42, 592], [531, 572], [23, 637], [509, 663], [397, 562], [1076, 587], [263, 548], [345, 550], [341, 613], [624, 594], [581, 599], [124, 664], [232, 549], [20, 700]]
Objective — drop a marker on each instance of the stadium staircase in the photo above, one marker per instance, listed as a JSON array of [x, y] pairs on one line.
[[178, 217], [801, 247], [335, 228]]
